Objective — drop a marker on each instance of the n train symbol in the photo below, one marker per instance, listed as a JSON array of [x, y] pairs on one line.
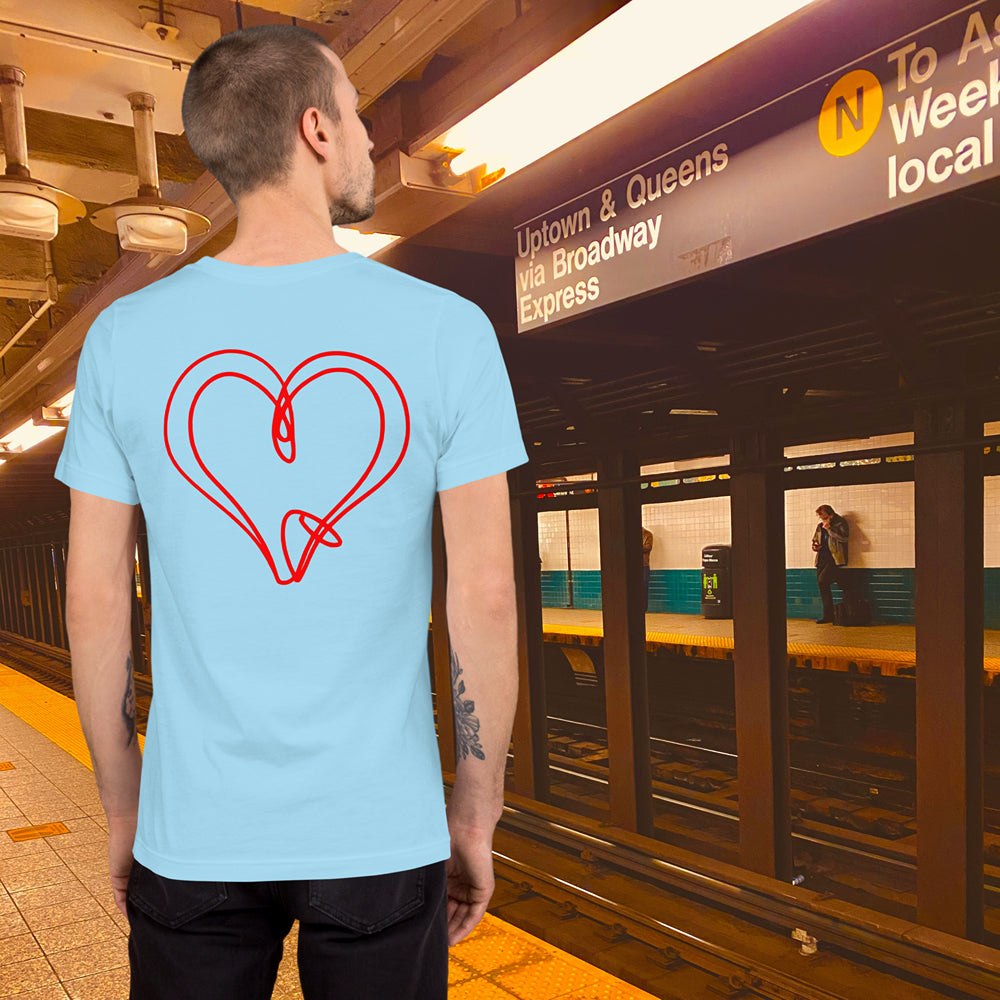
[[850, 113], [251, 370]]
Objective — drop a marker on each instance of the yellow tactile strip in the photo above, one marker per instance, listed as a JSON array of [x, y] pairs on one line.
[[497, 960], [51, 713], [849, 659]]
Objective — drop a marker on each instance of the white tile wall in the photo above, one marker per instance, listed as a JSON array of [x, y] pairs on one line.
[[850, 444], [683, 528], [552, 538], [585, 539], [991, 517], [689, 463], [880, 516]]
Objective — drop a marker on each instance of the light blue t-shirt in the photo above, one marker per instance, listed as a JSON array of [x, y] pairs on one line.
[[285, 430]]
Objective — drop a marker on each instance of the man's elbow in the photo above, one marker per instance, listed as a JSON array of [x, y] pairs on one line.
[[93, 604], [498, 601]]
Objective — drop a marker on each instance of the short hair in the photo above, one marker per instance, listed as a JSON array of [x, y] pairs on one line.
[[825, 507], [244, 97]]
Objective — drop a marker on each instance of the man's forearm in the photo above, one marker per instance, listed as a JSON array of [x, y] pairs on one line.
[[101, 652], [483, 635]]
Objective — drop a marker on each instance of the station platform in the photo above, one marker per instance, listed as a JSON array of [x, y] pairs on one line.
[[884, 650], [61, 934]]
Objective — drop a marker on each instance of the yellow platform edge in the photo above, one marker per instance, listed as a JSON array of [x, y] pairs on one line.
[[54, 715]]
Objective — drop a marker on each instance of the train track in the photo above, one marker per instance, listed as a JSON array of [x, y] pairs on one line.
[[628, 911], [838, 854], [691, 934]]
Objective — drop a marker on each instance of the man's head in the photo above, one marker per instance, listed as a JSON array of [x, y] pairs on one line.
[[824, 512], [270, 108]]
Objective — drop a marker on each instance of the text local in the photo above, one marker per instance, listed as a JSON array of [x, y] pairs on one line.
[[939, 111]]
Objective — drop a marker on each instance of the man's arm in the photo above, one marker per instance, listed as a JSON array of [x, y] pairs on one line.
[[99, 578], [482, 628]]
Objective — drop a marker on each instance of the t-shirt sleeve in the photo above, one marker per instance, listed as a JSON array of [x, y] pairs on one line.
[[92, 459], [481, 435]]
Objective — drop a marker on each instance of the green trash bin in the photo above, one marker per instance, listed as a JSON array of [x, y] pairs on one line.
[[717, 581]]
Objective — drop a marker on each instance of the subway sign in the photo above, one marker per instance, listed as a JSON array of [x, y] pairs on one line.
[[916, 119]]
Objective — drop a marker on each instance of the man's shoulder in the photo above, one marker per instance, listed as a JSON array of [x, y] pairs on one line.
[[417, 286]]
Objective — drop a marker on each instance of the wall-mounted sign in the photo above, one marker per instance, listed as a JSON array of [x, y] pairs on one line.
[[911, 121]]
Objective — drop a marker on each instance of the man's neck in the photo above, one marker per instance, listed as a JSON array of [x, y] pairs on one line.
[[277, 227], [274, 256]]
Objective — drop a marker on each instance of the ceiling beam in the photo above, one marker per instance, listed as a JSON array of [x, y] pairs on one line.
[[104, 146], [49, 371]]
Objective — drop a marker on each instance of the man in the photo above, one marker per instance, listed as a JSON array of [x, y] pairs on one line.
[[829, 542], [647, 547], [285, 413]]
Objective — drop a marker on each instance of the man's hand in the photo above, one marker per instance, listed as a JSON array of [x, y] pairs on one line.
[[121, 837], [470, 879]]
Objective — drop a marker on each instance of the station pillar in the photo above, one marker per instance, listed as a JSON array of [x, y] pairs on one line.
[[530, 737], [441, 647], [630, 790], [948, 549], [760, 659]]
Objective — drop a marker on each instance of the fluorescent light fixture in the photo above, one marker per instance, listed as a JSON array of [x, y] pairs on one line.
[[638, 50], [28, 216], [697, 413], [64, 402], [28, 434], [366, 244], [151, 233]]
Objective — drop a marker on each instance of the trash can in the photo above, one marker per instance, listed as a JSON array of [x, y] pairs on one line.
[[717, 581]]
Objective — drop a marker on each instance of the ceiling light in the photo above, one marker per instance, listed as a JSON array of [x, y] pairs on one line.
[[26, 436], [636, 51], [366, 244], [29, 208], [149, 223], [28, 216], [696, 413], [48, 420], [151, 233]]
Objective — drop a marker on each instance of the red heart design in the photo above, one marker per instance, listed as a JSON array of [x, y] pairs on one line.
[[319, 530]]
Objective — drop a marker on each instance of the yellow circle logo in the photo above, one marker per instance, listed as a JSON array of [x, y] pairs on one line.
[[850, 113]]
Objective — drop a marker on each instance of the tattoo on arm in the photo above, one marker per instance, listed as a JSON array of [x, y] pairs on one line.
[[128, 702], [466, 724]]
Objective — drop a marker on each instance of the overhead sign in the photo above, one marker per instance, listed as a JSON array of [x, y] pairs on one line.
[[911, 121]]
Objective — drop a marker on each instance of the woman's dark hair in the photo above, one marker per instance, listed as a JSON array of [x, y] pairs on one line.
[[243, 99]]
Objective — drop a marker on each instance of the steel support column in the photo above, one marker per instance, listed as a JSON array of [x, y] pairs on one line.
[[948, 532], [440, 646], [626, 690], [759, 655], [146, 665], [531, 753]]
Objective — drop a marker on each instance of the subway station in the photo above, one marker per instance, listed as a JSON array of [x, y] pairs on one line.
[[741, 265]]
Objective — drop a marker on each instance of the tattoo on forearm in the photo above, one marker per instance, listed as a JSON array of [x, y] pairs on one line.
[[128, 702], [466, 724]]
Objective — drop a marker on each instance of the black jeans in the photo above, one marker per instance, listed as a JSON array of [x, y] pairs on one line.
[[360, 938], [827, 573]]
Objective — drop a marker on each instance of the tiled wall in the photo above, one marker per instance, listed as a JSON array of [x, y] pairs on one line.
[[880, 516], [849, 444], [682, 529], [881, 543], [991, 522]]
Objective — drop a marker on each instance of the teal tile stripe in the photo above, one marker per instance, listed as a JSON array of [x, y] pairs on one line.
[[678, 591]]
